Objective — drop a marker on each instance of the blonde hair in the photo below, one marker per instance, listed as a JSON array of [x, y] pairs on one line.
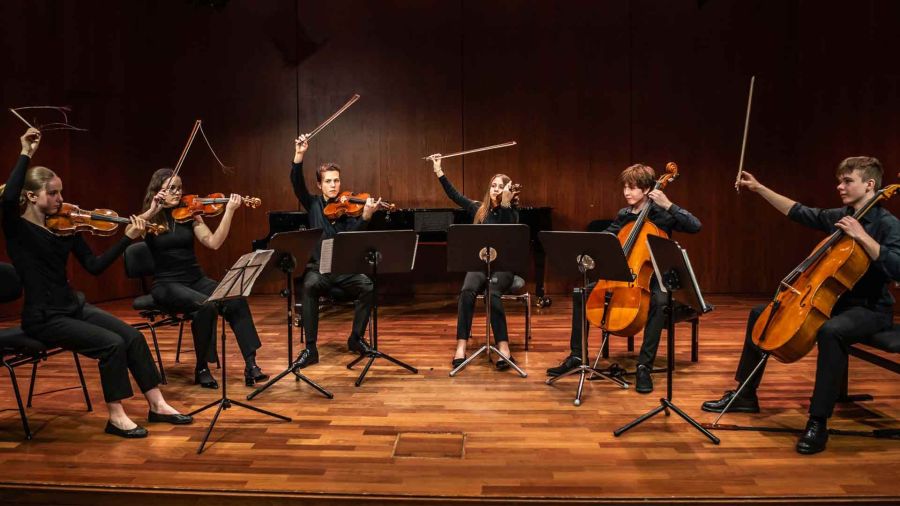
[[482, 212], [36, 179]]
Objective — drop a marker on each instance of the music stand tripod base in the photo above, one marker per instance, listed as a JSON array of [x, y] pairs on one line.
[[487, 348]]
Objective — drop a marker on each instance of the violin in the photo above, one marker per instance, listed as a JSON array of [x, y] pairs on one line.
[[515, 189], [71, 219], [618, 307], [803, 302], [351, 204], [211, 205]]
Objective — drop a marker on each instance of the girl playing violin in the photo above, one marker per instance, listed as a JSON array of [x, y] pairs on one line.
[[495, 208], [57, 315], [179, 284]]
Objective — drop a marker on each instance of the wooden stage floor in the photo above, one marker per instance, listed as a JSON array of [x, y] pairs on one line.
[[484, 436]]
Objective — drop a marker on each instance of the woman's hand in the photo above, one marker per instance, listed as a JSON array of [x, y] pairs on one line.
[[30, 141], [436, 164], [234, 202], [136, 228]]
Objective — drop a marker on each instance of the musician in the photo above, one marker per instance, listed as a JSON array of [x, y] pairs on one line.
[[55, 314], [495, 208], [180, 286], [637, 188], [862, 311], [358, 286]]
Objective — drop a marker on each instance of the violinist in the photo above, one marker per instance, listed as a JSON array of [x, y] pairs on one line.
[[637, 188], [57, 315], [860, 312], [179, 284], [358, 286], [495, 208]]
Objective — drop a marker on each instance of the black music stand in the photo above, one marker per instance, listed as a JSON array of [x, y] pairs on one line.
[[289, 247], [490, 248], [579, 254], [673, 270], [374, 252], [237, 283]]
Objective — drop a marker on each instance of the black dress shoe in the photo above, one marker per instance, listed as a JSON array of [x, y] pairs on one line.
[[571, 362], [814, 438], [643, 381], [503, 364], [305, 359], [254, 374], [176, 419], [135, 433], [358, 345], [457, 362], [205, 379], [743, 404]]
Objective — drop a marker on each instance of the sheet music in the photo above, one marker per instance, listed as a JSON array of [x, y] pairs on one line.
[[325, 256], [242, 275]]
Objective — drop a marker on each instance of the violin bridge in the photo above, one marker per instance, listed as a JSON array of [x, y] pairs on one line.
[[791, 288]]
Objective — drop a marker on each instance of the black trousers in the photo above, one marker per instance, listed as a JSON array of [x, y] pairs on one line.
[[351, 286], [846, 326], [119, 347], [475, 283], [656, 321], [204, 316]]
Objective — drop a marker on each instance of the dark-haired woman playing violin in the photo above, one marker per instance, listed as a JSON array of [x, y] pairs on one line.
[[179, 284], [57, 315]]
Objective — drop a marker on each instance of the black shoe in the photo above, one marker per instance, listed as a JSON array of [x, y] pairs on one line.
[[457, 362], [814, 439], [743, 404], [254, 374], [357, 345], [135, 433], [503, 364], [176, 419], [305, 359], [571, 362], [205, 379], [643, 381]]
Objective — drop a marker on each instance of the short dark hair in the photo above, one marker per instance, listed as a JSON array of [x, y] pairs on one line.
[[869, 167], [639, 176], [325, 167]]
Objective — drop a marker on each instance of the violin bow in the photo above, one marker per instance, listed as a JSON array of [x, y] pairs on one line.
[[333, 117], [198, 127], [49, 127], [476, 150], [737, 179]]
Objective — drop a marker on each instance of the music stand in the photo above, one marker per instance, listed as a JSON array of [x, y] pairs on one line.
[[578, 255], [673, 270], [290, 247], [491, 248], [237, 283], [374, 253]]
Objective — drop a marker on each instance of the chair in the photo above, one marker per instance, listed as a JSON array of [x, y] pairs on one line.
[[17, 349], [517, 292], [887, 340], [334, 297]]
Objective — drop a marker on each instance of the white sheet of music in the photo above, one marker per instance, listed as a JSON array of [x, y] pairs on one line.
[[325, 256], [242, 274]]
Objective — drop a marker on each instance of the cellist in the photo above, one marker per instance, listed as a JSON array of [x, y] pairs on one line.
[[862, 311], [637, 188]]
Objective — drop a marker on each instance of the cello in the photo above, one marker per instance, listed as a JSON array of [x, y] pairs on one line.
[[618, 307], [803, 302]]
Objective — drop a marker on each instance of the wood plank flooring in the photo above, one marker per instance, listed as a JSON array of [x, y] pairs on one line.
[[521, 439]]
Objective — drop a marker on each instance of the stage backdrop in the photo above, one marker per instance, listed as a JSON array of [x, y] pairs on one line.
[[585, 87]]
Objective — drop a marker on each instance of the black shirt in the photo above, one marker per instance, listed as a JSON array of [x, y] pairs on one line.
[[315, 206], [872, 289], [497, 214], [675, 219], [173, 253], [40, 257]]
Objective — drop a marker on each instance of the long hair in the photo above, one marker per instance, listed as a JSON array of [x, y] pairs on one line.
[[156, 182], [482, 212], [36, 179]]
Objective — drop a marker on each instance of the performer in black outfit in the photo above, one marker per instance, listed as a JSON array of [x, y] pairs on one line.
[[358, 286], [497, 207], [55, 314], [180, 285], [864, 310], [637, 183]]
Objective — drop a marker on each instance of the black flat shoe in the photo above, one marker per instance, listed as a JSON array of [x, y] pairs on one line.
[[135, 433], [503, 365], [457, 362], [176, 419], [743, 404], [571, 362], [358, 345], [305, 359], [205, 379], [253, 375], [814, 438], [643, 381]]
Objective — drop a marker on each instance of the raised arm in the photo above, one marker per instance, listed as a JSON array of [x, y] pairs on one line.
[[9, 193], [778, 201], [460, 199], [297, 181]]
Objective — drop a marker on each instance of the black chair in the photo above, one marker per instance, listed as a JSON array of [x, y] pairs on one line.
[[334, 298], [18, 349], [518, 292], [887, 341]]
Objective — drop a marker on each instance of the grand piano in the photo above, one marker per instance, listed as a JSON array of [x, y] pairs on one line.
[[431, 224]]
